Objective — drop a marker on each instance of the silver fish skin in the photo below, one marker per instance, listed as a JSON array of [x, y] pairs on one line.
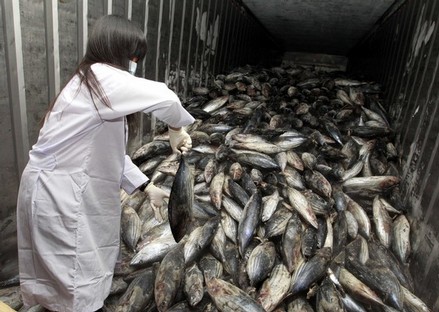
[[269, 205], [364, 224], [216, 189], [340, 228], [329, 239], [333, 131], [215, 104], [353, 171], [153, 251], [352, 224], [261, 147], [232, 260], [233, 208], [318, 183], [412, 303], [309, 160], [193, 284], [134, 200], [357, 288], [352, 305], [345, 82], [286, 143], [294, 178], [249, 222], [150, 165], [370, 184], [328, 299], [309, 242], [356, 96], [218, 244], [274, 288], [374, 116], [400, 239], [379, 278], [260, 262], [230, 226], [199, 239], [299, 202], [249, 138], [291, 243], [281, 159], [210, 170], [344, 97], [210, 128], [238, 193], [308, 272], [275, 226], [210, 266], [235, 171], [130, 227], [169, 278], [139, 294], [181, 200], [294, 160], [150, 150], [319, 205], [382, 222], [230, 298], [387, 259], [256, 159], [159, 231], [299, 304]]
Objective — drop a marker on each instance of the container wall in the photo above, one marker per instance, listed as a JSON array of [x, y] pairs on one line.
[[189, 41], [403, 54]]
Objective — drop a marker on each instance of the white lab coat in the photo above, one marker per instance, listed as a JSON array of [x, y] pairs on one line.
[[68, 207]]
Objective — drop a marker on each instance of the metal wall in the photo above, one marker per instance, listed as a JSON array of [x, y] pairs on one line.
[[403, 54], [42, 41]]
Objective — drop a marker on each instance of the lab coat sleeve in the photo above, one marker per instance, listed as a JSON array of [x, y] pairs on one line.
[[129, 94], [132, 177]]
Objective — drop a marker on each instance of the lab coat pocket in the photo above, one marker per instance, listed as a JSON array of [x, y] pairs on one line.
[[56, 210]]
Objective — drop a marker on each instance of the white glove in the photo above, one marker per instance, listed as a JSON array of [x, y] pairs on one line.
[[180, 140], [156, 195]]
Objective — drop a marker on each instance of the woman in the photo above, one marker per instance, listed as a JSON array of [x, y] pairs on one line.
[[68, 206]]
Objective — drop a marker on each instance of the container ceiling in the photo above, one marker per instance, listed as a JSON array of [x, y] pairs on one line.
[[318, 26]]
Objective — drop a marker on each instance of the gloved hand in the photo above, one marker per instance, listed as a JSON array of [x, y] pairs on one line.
[[180, 140], [156, 195]]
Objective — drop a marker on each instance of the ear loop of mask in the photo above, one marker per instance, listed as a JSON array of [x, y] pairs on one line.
[[132, 66]]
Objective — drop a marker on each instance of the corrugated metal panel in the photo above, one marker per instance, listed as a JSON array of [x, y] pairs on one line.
[[403, 54]]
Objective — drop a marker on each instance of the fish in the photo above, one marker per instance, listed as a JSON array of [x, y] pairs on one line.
[[291, 242], [169, 277], [150, 150], [382, 222], [193, 284], [299, 202], [400, 238], [199, 239], [130, 227], [260, 262], [181, 200], [379, 278], [139, 295], [228, 297], [309, 272], [249, 221], [215, 104], [274, 288]]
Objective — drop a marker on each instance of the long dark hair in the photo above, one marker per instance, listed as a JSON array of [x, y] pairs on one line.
[[114, 40]]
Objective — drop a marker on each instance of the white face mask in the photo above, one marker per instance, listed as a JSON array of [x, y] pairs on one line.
[[132, 66]]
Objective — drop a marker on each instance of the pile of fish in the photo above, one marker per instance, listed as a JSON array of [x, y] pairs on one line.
[[288, 201]]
